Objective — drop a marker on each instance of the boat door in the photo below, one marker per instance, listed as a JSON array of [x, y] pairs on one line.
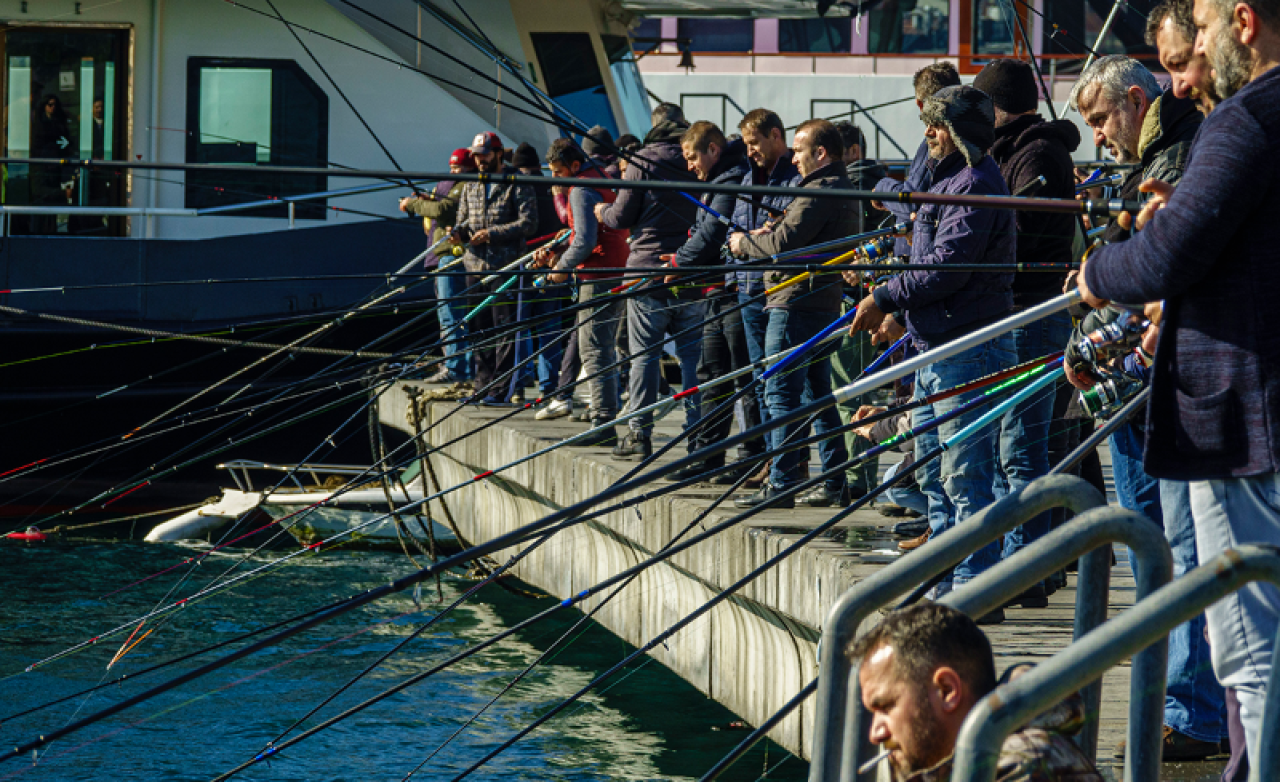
[[65, 96]]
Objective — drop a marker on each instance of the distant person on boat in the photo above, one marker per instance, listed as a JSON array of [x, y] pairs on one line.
[[923, 669], [595, 255], [51, 185], [494, 222], [659, 223], [438, 208]]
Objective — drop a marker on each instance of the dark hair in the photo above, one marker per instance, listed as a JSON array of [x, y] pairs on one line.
[[762, 121], [851, 134], [932, 78], [702, 134], [927, 636], [823, 134], [1180, 11], [667, 112], [565, 152], [59, 113], [628, 143]]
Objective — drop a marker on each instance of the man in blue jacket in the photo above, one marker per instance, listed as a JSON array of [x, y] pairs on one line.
[[1208, 250], [941, 306]]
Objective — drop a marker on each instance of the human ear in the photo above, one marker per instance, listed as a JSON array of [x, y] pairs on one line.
[[949, 688]]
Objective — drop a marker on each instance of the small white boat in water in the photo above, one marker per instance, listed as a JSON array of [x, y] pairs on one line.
[[324, 509]]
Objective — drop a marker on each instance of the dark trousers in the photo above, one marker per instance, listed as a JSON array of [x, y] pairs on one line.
[[570, 366], [724, 349], [493, 355]]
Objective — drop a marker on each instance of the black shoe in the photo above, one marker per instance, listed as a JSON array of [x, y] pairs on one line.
[[766, 493], [912, 528], [603, 438], [822, 497], [731, 475], [996, 617], [1034, 596], [692, 471], [898, 512], [633, 445]]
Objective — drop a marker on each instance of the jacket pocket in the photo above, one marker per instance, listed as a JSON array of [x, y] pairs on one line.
[[1207, 424]]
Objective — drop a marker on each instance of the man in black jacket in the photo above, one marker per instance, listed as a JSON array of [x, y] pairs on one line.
[[798, 312], [1027, 148], [659, 223], [714, 159]]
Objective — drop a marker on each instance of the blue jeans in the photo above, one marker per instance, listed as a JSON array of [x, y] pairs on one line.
[[967, 472], [809, 378], [450, 310], [755, 322], [1242, 625], [909, 497], [649, 320], [1024, 432], [1194, 702], [536, 303]]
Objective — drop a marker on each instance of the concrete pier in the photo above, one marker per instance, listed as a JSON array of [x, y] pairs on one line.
[[756, 650]]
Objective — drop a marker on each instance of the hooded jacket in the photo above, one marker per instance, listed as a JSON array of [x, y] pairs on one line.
[[1164, 147], [751, 212], [708, 233], [658, 220], [1026, 148], [941, 306], [808, 221]]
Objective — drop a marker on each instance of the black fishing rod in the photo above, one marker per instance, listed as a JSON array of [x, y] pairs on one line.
[[667, 553], [1108, 208], [797, 545], [336, 609]]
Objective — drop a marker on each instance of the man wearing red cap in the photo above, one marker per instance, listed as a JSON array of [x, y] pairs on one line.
[[494, 220], [438, 209]]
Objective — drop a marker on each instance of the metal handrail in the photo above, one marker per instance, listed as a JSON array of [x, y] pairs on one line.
[[239, 468], [838, 738], [1013, 704], [1089, 536]]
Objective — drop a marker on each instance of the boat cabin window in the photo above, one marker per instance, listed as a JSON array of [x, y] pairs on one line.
[[65, 96], [256, 113], [909, 27], [572, 76], [718, 35], [816, 36]]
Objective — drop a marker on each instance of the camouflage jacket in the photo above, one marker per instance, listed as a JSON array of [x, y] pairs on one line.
[[509, 212], [1042, 751]]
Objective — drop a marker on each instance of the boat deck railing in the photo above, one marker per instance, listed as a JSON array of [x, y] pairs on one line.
[[241, 469]]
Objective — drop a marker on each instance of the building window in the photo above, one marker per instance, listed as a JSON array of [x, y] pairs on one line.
[[647, 28], [815, 36], [718, 35], [909, 27], [255, 112], [993, 28], [1084, 19]]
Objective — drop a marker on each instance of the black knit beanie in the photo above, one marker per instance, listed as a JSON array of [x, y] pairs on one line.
[[1011, 85], [967, 113], [598, 141], [525, 157]]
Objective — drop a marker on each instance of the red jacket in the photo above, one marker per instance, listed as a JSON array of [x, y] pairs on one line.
[[611, 248]]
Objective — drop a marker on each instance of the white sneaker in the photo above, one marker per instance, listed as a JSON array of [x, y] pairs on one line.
[[558, 408]]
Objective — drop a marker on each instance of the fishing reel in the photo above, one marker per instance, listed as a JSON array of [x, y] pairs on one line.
[[878, 250], [1106, 341], [1109, 394]]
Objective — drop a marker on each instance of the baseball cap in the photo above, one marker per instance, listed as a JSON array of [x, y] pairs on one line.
[[485, 142], [462, 158]]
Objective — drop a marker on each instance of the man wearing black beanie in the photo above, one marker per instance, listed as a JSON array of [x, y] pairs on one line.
[[1026, 148]]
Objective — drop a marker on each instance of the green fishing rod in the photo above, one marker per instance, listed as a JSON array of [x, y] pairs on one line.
[[676, 548]]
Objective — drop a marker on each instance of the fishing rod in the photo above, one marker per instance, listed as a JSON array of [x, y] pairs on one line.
[[1107, 208], [336, 609], [671, 551], [988, 418]]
